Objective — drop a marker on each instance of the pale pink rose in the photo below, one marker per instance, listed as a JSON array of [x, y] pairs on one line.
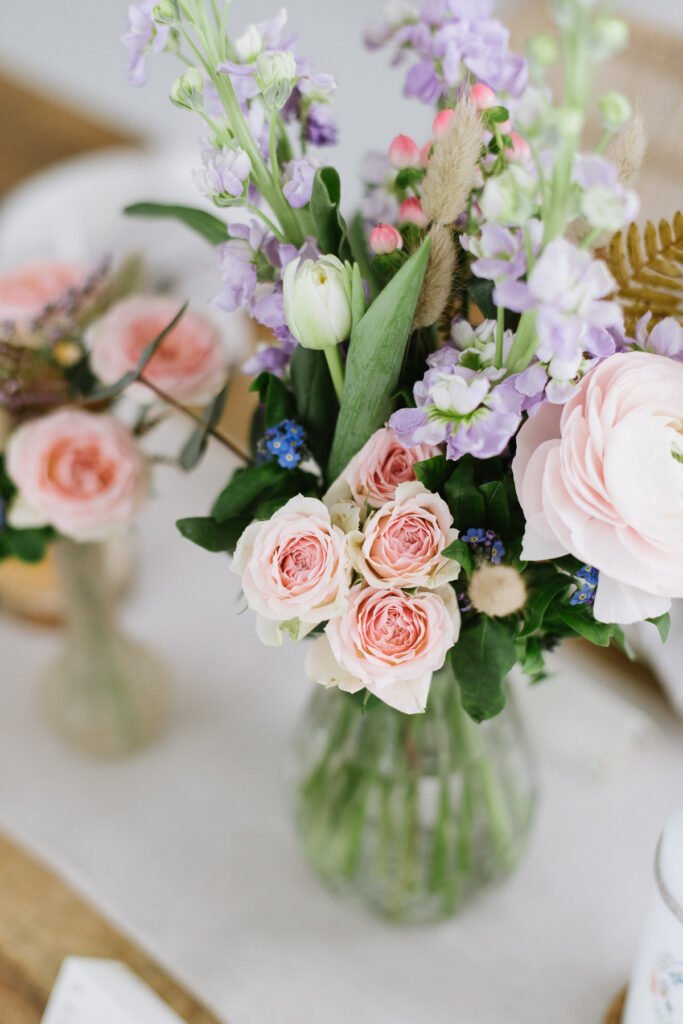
[[25, 292], [189, 365], [379, 467], [77, 471], [602, 479], [294, 568], [401, 545], [389, 642]]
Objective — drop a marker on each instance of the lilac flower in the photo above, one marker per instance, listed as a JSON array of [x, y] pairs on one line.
[[605, 203], [500, 252], [298, 181], [223, 173], [462, 400], [142, 37], [567, 288], [665, 339], [238, 273], [271, 358]]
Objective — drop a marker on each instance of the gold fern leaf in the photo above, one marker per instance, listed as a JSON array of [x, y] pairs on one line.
[[648, 269]]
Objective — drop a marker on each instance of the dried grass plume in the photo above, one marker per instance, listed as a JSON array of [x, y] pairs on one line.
[[452, 172], [438, 282], [627, 150]]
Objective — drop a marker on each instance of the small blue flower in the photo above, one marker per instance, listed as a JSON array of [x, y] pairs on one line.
[[497, 552], [474, 536], [588, 579], [283, 442], [589, 575]]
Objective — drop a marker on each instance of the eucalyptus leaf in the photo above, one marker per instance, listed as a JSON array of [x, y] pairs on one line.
[[118, 387], [196, 444], [205, 224], [373, 365]]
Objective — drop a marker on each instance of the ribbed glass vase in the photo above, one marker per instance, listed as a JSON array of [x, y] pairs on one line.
[[104, 693], [412, 814]]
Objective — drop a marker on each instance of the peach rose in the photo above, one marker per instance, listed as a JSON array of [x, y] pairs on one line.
[[401, 545], [373, 475], [80, 472], [388, 641], [602, 479], [24, 293], [189, 365], [294, 569]]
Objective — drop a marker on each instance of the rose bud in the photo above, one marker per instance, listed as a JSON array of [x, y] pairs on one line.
[[404, 152], [385, 239], [317, 296], [411, 212], [520, 151], [483, 96], [441, 123]]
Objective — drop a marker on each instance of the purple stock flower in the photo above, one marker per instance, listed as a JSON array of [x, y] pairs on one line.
[[238, 273], [298, 181], [271, 358], [321, 126], [142, 37], [223, 173], [500, 252]]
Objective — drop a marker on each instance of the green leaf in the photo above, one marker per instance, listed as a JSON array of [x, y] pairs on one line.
[[460, 552], [539, 602], [27, 545], [373, 365], [247, 484], [432, 472], [361, 253], [316, 401], [357, 297], [212, 536], [277, 399], [482, 293], [330, 226], [119, 386], [464, 500], [204, 223], [409, 177], [583, 624], [196, 443], [496, 115], [663, 624], [481, 660], [497, 509]]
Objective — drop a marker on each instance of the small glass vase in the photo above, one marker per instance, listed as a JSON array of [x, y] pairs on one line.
[[412, 814], [104, 693]]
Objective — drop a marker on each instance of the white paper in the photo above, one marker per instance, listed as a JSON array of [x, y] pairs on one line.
[[90, 991]]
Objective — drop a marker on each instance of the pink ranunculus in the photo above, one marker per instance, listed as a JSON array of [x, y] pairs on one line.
[[388, 641], [402, 544], [379, 467], [294, 569], [189, 365], [602, 479], [77, 471], [25, 292]]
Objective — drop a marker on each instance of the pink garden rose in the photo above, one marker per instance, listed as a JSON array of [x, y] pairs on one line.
[[24, 293], [389, 642], [294, 569], [602, 479], [402, 544], [77, 471], [189, 365], [379, 467]]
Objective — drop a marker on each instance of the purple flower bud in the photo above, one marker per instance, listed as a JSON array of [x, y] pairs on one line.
[[321, 127], [298, 181]]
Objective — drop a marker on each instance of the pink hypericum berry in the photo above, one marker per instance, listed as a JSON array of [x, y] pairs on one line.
[[385, 239], [426, 154], [411, 212], [520, 151], [483, 96], [404, 152], [441, 123]]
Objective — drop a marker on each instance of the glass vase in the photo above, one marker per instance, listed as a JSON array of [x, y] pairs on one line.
[[104, 693], [412, 814]]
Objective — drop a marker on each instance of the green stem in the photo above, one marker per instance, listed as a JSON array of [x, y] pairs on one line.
[[336, 367], [500, 334]]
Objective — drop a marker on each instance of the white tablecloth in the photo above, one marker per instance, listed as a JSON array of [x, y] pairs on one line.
[[188, 846]]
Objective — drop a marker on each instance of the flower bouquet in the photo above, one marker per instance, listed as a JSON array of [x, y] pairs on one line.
[[469, 444], [73, 474]]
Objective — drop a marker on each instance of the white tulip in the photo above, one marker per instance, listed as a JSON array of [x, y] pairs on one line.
[[317, 296]]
